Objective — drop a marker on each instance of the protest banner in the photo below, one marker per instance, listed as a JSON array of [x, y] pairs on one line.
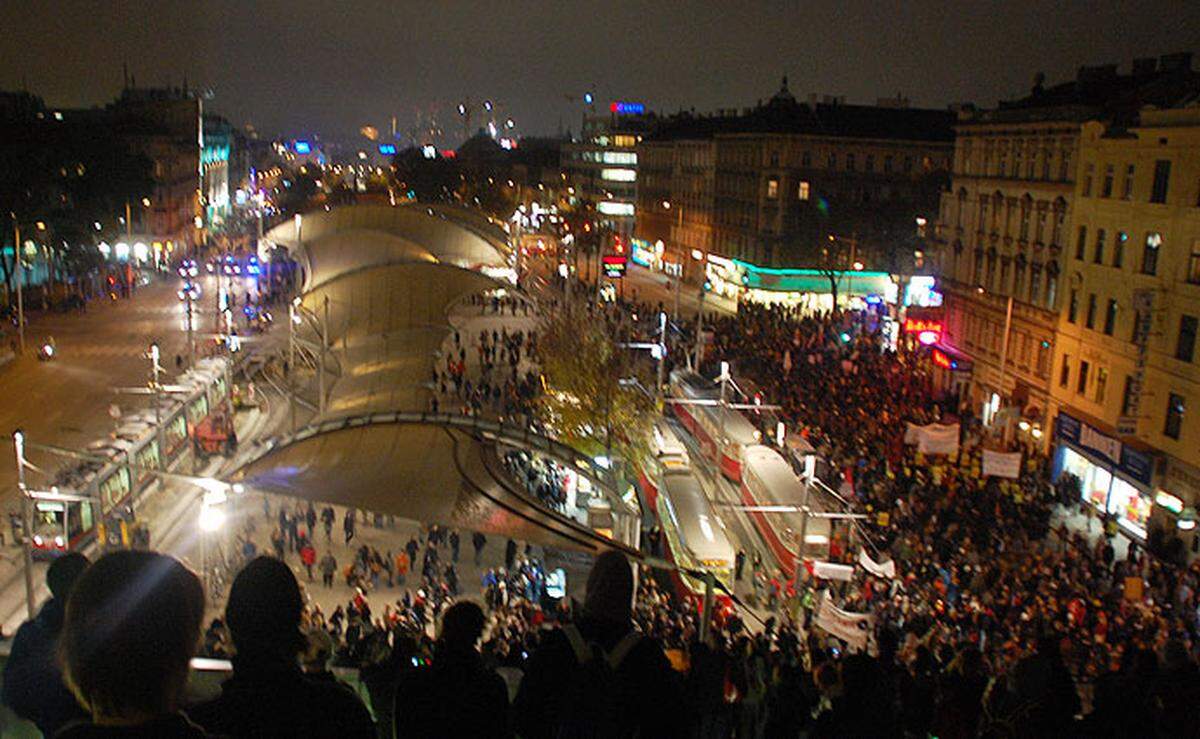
[[887, 569], [832, 571], [852, 628], [1002, 464]]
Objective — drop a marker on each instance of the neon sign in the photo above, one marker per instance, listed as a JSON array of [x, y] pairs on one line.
[[919, 325], [622, 108], [387, 149], [942, 359], [614, 266], [303, 147]]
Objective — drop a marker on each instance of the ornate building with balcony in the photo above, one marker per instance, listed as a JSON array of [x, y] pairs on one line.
[[1069, 246]]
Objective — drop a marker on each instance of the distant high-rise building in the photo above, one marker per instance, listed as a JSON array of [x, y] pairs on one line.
[[602, 165]]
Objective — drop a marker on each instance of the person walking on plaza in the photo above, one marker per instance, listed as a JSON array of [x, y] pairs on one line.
[[268, 694], [401, 564], [478, 540], [458, 695], [310, 517], [33, 683], [454, 543], [328, 568], [308, 557], [327, 518], [739, 563], [510, 554], [348, 525]]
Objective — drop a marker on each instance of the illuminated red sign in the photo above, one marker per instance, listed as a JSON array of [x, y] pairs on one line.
[[942, 359], [918, 325], [614, 266]]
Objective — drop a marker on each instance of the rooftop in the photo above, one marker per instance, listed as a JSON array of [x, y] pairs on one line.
[[783, 114]]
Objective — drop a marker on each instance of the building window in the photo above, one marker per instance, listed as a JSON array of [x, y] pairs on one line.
[[1175, 407], [1081, 382], [1193, 273], [1134, 333], [1035, 283], [1185, 344], [1110, 317], [1064, 375], [1073, 306], [1101, 384], [1041, 226], [1090, 321], [887, 164], [1064, 163], [1043, 359], [1098, 255], [802, 190], [831, 161], [1081, 244], [806, 159], [850, 162], [1119, 249], [1107, 187], [1088, 173], [1056, 235], [772, 188], [1162, 178], [908, 162], [1127, 396], [1024, 234], [1150, 253], [870, 163], [1127, 185]]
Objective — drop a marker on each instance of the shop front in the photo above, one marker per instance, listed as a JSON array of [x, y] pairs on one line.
[[1114, 477]]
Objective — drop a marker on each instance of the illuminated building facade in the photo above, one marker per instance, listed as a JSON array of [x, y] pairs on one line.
[[769, 185], [602, 165]]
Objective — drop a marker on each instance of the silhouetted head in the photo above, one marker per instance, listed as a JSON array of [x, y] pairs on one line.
[[318, 650], [264, 609], [462, 625], [610, 588], [132, 623], [63, 573]]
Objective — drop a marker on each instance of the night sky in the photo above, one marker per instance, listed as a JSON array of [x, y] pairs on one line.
[[297, 67]]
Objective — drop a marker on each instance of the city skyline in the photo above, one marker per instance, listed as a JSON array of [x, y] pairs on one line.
[[300, 69]]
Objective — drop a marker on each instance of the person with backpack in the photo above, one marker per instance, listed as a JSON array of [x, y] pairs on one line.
[[600, 677]]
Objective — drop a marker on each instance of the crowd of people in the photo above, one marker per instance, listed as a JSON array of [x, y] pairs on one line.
[[504, 382]]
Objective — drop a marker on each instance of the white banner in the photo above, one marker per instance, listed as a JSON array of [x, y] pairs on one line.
[[833, 571], [912, 433], [852, 628], [1002, 464], [887, 569], [938, 439]]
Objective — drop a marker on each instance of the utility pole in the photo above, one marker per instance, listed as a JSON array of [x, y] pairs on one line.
[[26, 522], [1004, 349], [700, 332], [662, 356], [292, 319], [20, 269], [321, 366]]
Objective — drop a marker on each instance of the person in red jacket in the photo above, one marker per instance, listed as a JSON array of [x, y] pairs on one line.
[[308, 556]]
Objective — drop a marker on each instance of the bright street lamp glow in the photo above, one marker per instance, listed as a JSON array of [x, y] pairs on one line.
[[211, 519]]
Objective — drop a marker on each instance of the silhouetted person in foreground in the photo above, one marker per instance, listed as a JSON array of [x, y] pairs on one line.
[[268, 695], [33, 681], [600, 676], [457, 695], [132, 624]]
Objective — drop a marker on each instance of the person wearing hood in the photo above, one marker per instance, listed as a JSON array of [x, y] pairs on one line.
[[457, 695], [269, 695], [33, 681], [646, 694]]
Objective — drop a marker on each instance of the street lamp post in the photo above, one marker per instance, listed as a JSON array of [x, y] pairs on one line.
[[293, 319], [20, 269], [26, 521]]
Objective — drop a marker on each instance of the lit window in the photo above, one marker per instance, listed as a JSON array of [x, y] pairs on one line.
[[618, 175], [772, 188], [802, 191]]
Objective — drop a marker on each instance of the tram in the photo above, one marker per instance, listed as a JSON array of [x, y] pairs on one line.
[[695, 535], [112, 485], [769, 482], [668, 451], [722, 433]]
